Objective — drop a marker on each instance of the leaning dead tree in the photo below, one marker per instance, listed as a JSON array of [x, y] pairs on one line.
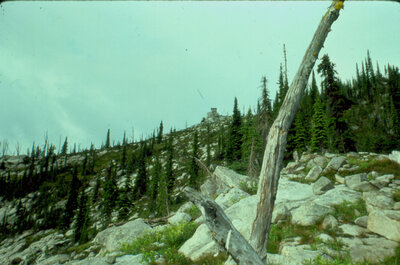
[[277, 137], [221, 227]]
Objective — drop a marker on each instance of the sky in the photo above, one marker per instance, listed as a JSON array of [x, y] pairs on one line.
[[77, 69]]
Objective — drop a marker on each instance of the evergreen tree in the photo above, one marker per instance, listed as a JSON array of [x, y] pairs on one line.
[[64, 149], [124, 152], [96, 190], [318, 130], [234, 147], [154, 183], [275, 106], [125, 200], [82, 225], [300, 139], [141, 179], [160, 133], [194, 167], [313, 90], [394, 118], [84, 164], [162, 198], [283, 87], [72, 200], [337, 104], [21, 214], [251, 144], [221, 145], [169, 167], [108, 141], [93, 159], [265, 116], [110, 192]]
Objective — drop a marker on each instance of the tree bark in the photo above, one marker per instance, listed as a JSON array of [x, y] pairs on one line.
[[223, 230], [277, 137]]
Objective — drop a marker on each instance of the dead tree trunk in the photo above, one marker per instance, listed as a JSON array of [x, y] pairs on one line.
[[223, 230], [276, 139]]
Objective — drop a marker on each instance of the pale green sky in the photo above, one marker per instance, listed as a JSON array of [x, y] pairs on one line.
[[76, 69]]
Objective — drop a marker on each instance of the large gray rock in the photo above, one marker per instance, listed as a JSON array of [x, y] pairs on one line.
[[373, 250], [337, 196], [395, 156], [293, 191], [186, 206], [130, 260], [200, 244], [329, 222], [309, 213], [354, 182], [112, 238], [335, 163], [377, 200], [299, 254], [57, 259], [352, 230], [234, 195], [89, 261], [230, 177], [209, 188], [362, 221], [179, 217], [314, 173], [280, 212], [322, 185], [383, 181], [320, 161], [380, 223]]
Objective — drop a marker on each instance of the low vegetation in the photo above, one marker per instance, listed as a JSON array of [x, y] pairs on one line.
[[348, 211]]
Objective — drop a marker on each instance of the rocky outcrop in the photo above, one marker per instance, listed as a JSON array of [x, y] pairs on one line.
[[305, 197], [385, 223], [112, 238]]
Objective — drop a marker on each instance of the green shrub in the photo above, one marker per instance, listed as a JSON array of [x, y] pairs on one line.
[[165, 242], [194, 212], [396, 196], [385, 166], [250, 188], [286, 230], [346, 210]]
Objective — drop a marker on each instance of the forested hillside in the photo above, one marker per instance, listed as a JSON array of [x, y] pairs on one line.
[[83, 192]]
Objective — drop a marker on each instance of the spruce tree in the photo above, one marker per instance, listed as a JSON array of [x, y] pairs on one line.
[[251, 144], [318, 129], [234, 151], [169, 167], [108, 141], [154, 183], [124, 202], [141, 179], [162, 198], [64, 149], [313, 90], [124, 152], [160, 133], [337, 104], [110, 192], [265, 116], [82, 225], [300, 139], [71, 201]]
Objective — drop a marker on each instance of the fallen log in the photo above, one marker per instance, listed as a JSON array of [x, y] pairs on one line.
[[223, 231]]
